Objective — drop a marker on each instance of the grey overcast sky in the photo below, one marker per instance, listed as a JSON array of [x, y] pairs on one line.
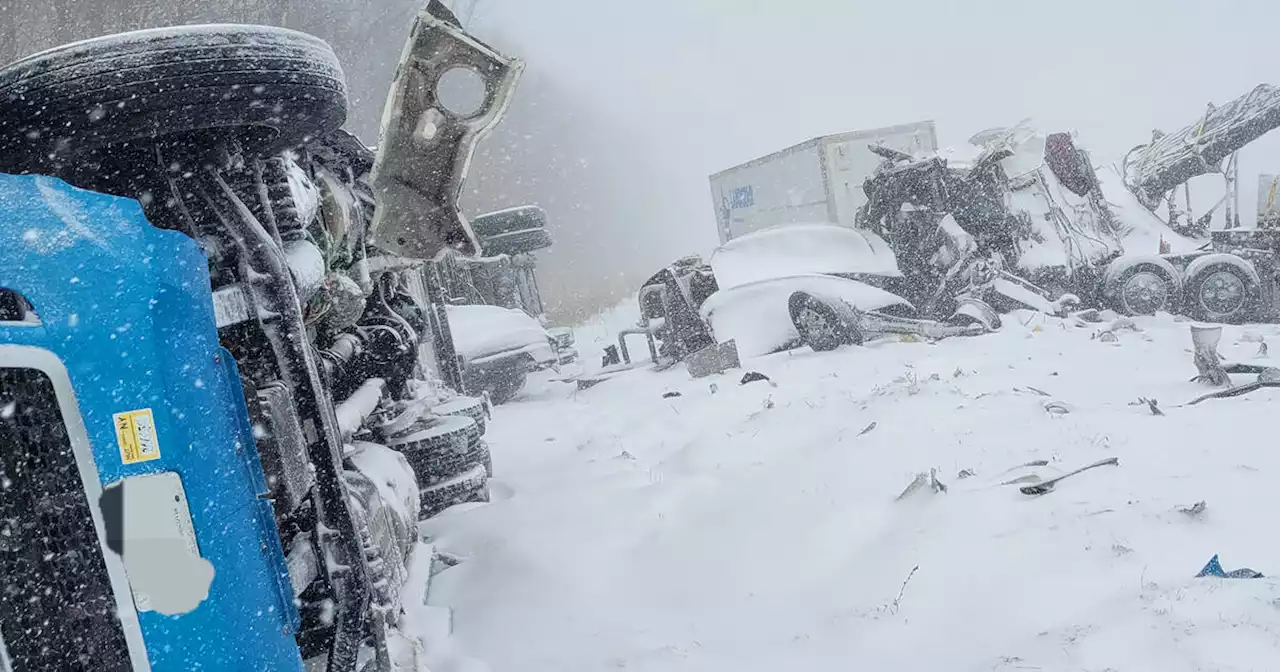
[[705, 84]]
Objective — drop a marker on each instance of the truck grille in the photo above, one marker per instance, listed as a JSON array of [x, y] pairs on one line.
[[57, 608]]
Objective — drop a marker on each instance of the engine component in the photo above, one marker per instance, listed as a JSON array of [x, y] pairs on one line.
[[283, 448], [273, 294]]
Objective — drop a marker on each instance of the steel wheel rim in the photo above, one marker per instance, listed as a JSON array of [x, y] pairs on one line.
[[1222, 293], [816, 325], [1145, 293]]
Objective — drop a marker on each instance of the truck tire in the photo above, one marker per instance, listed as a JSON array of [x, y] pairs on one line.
[[507, 221], [508, 383], [469, 486], [1222, 288], [471, 407], [516, 242], [1142, 287], [439, 449], [824, 325], [273, 88]]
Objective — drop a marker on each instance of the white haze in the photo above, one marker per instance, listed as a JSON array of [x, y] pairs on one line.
[[689, 87]]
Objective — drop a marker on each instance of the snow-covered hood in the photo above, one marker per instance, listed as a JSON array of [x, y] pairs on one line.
[[756, 314], [801, 249], [485, 332]]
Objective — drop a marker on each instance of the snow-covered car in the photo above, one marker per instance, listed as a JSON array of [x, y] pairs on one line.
[[757, 274], [499, 347], [818, 285]]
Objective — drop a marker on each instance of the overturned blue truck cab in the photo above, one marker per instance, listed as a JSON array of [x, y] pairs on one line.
[[111, 372], [223, 407]]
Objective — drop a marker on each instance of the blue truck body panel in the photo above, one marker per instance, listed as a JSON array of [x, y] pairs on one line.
[[128, 310]]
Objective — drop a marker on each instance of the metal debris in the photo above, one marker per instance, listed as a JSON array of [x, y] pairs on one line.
[[1151, 404], [1194, 510], [1057, 408], [1045, 487], [938, 486], [1204, 341], [921, 480]]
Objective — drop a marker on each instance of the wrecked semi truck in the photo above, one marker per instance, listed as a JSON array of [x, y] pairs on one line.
[[1034, 207], [852, 236], [218, 429], [1021, 218]]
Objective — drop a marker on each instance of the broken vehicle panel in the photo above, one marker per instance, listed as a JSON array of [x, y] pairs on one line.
[[449, 91]]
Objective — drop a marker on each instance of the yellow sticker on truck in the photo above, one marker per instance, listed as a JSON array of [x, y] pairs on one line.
[[136, 434]]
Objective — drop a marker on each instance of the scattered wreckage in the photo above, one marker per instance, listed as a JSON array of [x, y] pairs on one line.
[[1032, 208], [777, 289], [944, 243]]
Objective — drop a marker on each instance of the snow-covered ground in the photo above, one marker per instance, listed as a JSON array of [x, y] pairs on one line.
[[756, 527]]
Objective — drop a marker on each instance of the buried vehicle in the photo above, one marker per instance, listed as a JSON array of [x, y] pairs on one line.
[[218, 430], [779, 288], [495, 308]]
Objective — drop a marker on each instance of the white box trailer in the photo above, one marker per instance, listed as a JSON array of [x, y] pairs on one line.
[[811, 183]]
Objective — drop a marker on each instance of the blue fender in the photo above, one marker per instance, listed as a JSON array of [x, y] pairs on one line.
[[127, 308]]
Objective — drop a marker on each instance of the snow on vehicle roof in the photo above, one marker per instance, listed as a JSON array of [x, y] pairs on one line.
[[481, 331], [799, 249], [1144, 230]]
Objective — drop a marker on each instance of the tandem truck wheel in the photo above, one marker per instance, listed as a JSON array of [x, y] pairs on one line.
[[1142, 286], [1222, 288]]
